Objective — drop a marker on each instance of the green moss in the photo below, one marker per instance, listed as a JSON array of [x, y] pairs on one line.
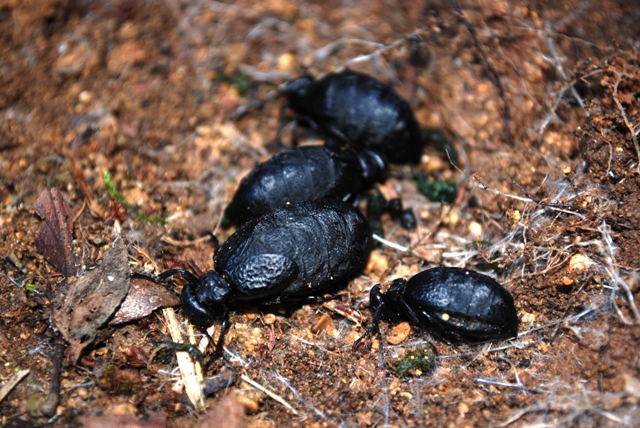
[[131, 210], [437, 191], [241, 82], [422, 358]]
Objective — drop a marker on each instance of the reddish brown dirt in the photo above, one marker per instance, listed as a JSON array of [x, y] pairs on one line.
[[154, 92]]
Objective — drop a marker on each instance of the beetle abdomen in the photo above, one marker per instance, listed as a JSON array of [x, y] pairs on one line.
[[310, 245], [462, 302], [300, 174], [359, 110]]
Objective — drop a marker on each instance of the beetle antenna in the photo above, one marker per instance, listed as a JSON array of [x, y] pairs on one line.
[[219, 352], [190, 277]]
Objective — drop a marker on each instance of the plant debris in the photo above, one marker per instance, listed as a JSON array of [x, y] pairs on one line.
[[90, 300], [416, 362], [55, 237], [143, 298]]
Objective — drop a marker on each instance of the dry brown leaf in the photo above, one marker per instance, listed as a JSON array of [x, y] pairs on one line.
[[56, 232], [92, 299], [144, 297]]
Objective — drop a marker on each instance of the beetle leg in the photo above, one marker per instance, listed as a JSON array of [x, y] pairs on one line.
[[406, 309], [219, 352], [224, 326], [146, 276], [375, 326], [299, 300]]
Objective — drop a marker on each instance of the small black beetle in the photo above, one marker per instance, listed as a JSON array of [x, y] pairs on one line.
[[358, 110], [460, 303], [304, 174], [286, 255]]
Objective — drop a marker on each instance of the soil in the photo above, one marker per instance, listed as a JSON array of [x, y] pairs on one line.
[[178, 100]]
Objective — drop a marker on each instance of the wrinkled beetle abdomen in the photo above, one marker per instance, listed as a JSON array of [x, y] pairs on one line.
[[295, 250]]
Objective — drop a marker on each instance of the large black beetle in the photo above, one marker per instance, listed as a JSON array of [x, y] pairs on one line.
[[360, 111], [286, 255], [459, 303], [303, 174]]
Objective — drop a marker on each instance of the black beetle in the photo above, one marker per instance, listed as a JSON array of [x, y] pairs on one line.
[[360, 111], [377, 205], [304, 174], [459, 303], [286, 255]]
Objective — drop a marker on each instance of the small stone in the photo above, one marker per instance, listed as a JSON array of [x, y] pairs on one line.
[[286, 62], [579, 263], [475, 229], [399, 333], [542, 347], [269, 319], [514, 216], [85, 97], [83, 393]]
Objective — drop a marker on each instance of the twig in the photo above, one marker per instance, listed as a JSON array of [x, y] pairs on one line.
[[626, 119], [15, 379], [561, 320], [192, 382], [475, 179], [559, 207], [184, 243], [375, 54], [390, 244], [270, 393], [512, 385], [494, 74]]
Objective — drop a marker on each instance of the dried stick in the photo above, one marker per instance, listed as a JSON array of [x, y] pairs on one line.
[[15, 379], [269, 393], [192, 382]]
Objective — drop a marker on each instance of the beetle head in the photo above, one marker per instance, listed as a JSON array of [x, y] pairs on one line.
[[204, 301], [299, 89], [375, 168], [391, 299]]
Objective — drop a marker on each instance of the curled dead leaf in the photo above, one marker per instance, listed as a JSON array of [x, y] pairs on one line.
[[89, 301], [55, 237]]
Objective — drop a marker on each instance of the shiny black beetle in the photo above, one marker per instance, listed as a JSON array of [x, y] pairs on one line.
[[303, 174], [286, 255], [459, 303], [360, 111]]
